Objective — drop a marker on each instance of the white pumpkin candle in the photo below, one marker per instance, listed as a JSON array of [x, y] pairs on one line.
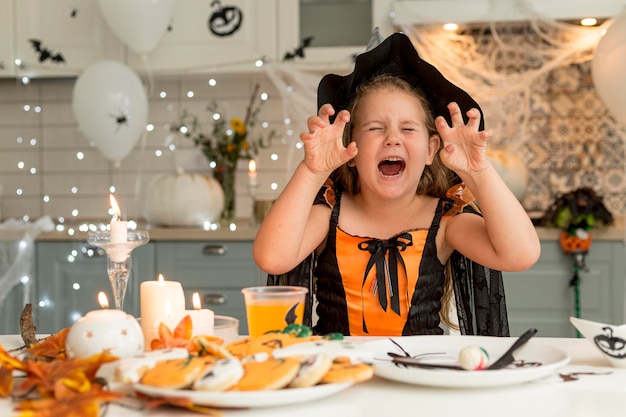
[[202, 319], [161, 301], [105, 329]]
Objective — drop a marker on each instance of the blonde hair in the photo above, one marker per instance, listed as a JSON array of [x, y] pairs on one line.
[[436, 178]]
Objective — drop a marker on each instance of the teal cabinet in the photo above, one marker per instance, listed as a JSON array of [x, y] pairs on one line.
[[541, 297], [217, 270], [69, 277]]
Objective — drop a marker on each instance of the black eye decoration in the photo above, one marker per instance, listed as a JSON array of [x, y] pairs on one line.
[[120, 120], [74, 12], [225, 20], [45, 53], [613, 346]]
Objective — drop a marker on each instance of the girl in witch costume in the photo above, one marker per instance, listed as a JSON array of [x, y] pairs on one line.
[[381, 221]]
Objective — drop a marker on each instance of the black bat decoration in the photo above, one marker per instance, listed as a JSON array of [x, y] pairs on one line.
[[299, 51], [290, 317], [120, 120], [74, 12], [225, 20], [45, 53]]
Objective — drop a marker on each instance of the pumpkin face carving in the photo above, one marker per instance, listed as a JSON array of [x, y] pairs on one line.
[[225, 20], [611, 345], [182, 199], [577, 243]]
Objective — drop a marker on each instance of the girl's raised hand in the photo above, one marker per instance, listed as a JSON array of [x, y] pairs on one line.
[[464, 146], [323, 144]]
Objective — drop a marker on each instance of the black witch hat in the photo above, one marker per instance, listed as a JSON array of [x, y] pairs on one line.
[[397, 56]]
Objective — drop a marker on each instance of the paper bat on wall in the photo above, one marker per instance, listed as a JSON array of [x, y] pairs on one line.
[[299, 51], [45, 53]]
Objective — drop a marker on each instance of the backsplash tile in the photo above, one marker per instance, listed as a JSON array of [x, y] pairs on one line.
[[570, 145]]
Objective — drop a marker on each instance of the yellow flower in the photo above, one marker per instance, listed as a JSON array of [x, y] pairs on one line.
[[238, 126], [231, 147], [245, 145]]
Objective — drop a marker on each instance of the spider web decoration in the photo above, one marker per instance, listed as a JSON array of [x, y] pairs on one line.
[[502, 64]]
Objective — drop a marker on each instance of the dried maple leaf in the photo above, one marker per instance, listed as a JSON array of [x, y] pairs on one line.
[[180, 337], [83, 404], [51, 347], [27, 326], [6, 382], [52, 378]]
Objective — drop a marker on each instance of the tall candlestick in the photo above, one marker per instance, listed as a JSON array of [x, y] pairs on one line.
[[119, 228], [252, 173]]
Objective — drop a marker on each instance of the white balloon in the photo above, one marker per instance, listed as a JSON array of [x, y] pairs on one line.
[[111, 107], [609, 66], [140, 24]]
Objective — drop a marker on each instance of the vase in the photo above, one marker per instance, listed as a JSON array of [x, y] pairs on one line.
[[225, 175]]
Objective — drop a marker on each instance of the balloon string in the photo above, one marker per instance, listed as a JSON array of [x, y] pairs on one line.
[[146, 61], [144, 139]]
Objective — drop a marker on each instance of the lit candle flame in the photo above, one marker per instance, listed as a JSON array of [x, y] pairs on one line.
[[161, 279], [115, 207], [195, 300], [103, 300], [252, 167]]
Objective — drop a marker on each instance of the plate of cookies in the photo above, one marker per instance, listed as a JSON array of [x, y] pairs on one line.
[[462, 361], [277, 368]]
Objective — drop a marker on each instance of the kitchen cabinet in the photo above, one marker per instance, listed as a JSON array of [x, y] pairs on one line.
[[340, 30], [211, 36], [68, 280], [541, 296], [74, 30], [217, 270]]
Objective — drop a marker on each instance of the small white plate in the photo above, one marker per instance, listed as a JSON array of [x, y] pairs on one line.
[[445, 349], [247, 399]]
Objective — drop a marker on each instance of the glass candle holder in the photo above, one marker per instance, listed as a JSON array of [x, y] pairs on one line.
[[118, 259]]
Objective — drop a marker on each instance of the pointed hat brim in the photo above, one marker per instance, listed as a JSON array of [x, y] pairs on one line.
[[397, 56]]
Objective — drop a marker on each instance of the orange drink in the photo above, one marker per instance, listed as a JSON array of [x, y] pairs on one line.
[[273, 307]]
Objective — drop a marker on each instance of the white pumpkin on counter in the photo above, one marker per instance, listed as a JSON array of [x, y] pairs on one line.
[[182, 199]]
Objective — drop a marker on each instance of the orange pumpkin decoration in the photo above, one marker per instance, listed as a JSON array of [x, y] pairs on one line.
[[576, 243]]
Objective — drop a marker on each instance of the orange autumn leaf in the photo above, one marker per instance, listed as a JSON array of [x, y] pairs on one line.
[[84, 404], [74, 374], [180, 337], [10, 362], [6, 382], [51, 347]]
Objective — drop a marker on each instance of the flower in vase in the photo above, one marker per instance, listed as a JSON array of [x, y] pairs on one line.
[[226, 143]]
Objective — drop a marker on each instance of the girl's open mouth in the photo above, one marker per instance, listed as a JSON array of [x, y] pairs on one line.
[[391, 167]]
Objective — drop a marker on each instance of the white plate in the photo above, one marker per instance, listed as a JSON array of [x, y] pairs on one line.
[[247, 399], [445, 349]]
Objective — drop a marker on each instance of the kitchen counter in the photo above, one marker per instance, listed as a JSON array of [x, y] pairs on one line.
[[245, 231]]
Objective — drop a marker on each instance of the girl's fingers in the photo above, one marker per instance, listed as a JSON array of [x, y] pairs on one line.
[[455, 114], [326, 111], [474, 118]]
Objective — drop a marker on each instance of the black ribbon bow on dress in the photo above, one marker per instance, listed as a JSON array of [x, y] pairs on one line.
[[378, 250]]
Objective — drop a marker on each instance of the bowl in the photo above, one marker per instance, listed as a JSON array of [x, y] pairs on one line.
[[226, 328], [609, 339]]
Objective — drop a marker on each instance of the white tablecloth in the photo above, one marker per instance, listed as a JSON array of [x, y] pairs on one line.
[[601, 394]]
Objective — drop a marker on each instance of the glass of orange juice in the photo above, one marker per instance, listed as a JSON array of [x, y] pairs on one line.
[[273, 307]]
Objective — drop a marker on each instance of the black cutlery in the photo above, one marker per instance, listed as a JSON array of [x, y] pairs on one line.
[[507, 358], [503, 361]]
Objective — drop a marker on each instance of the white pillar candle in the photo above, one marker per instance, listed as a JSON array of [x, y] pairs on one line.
[[161, 301], [202, 319], [119, 228]]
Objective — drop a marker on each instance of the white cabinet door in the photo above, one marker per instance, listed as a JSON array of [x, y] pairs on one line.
[[62, 37], [209, 36], [6, 38]]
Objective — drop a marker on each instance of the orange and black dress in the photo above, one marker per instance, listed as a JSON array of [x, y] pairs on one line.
[[392, 287]]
